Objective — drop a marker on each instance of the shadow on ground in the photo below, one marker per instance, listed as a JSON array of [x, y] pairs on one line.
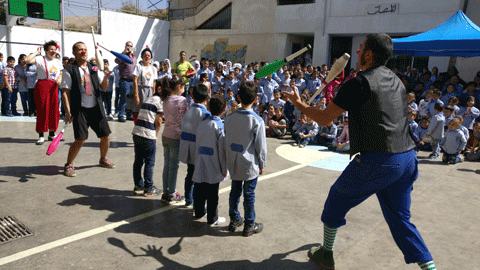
[[276, 261], [26, 173]]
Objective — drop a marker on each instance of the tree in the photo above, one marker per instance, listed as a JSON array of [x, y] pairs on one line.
[[128, 7], [3, 15]]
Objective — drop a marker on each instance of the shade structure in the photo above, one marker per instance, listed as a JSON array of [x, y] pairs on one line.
[[458, 36]]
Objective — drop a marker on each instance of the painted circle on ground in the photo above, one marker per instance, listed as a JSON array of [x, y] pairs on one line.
[[315, 156]]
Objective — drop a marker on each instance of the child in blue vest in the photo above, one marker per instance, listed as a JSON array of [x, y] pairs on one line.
[[210, 162], [435, 130], [245, 140], [196, 114]]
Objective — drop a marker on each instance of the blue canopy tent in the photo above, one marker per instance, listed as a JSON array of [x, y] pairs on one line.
[[458, 36]]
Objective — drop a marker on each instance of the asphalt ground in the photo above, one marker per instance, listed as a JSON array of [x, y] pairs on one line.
[[93, 221]]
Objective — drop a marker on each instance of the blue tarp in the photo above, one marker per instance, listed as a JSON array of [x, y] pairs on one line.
[[458, 36]]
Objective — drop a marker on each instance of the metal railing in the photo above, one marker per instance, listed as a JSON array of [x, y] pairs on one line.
[[180, 14]]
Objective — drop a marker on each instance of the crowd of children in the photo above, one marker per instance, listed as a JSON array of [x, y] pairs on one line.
[[221, 130]]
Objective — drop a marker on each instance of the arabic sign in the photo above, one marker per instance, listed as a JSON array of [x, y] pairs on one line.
[[382, 9]]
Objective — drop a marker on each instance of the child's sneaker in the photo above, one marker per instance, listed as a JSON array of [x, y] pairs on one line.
[[234, 224], [151, 191], [444, 158], [218, 221], [322, 257], [69, 170], [137, 190], [176, 197], [295, 144], [433, 156], [301, 146], [251, 229], [104, 162]]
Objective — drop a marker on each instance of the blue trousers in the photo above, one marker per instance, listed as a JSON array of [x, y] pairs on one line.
[[6, 101], [171, 148], [125, 87], [26, 104], [248, 188], [390, 177], [13, 100], [189, 183], [145, 150], [107, 101]]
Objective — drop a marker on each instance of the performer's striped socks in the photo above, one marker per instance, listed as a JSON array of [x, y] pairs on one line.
[[329, 235], [427, 265]]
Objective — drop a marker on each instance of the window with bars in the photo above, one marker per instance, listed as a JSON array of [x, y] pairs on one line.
[[221, 20], [294, 2]]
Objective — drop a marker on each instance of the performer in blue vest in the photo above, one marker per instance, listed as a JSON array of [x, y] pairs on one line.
[[385, 163]]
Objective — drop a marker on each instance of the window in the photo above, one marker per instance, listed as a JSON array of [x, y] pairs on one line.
[[221, 20], [294, 2]]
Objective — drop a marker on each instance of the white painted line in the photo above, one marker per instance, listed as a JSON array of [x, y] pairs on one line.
[[108, 227]]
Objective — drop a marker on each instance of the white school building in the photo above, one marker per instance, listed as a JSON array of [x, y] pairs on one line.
[[266, 30]]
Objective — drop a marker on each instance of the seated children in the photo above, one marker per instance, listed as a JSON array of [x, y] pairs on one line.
[[210, 162], [277, 101], [342, 144], [314, 83], [422, 105], [268, 115], [435, 130], [306, 133], [296, 127], [327, 135], [473, 149], [454, 101], [288, 111], [448, 113], [412, 115], [196, 114], [436, 94], [278, 124], [465, 131], [450, 92], [453, 143], [246, 146], [412, 106], [421, 132], [469, 113], [145, 144]]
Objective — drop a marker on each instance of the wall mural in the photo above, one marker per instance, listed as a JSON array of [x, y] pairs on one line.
[[220, 50]]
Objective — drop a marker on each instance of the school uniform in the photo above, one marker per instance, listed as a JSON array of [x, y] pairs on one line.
[[246, 147], [436, 131], [313, 85], [196, 114], [431, 107], [217, 84], [211, 166], [329, 135], [447, 96], [414, 106], [469, 117], [268, 87], [301, 84], [413, 126], [451, 143], [418, 135], [465, 132], [278, 103], [307, 129], [233, 84]]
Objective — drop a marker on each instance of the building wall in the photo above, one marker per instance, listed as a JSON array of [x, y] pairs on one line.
[[117, 28], [268, 29]]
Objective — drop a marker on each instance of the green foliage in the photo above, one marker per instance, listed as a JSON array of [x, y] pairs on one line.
[[3, 15]]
